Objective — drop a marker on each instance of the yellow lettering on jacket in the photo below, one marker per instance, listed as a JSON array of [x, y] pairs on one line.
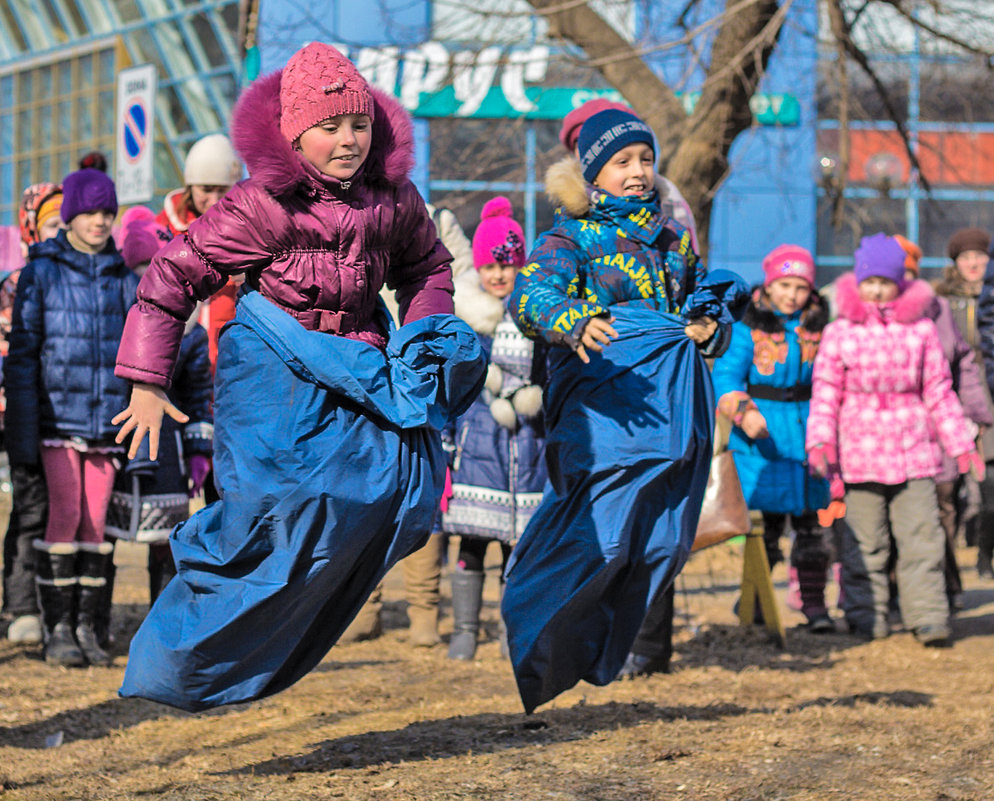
[[528, 269], [590, 225]]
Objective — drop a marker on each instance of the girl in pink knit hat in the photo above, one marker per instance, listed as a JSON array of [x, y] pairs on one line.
[[498, 469], [327, 455], [763, 384]]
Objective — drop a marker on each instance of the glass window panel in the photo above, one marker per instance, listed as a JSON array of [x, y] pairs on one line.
[[229, 18], [127, 10], [71, 7], [7, 91], [25, 87], [64, 164], [84, 118], [180, 64], [44, 125], [861, 217], [6, 135], [226, 88], [939, 218], [45, 168], [200, 106], [10, 25], [25, 136], [145, 50], [107, 67], [166, 172], [865, 102], [61, 32], [209, 45], [175, 110], [62, 130], [105, 102], [96, 13], [45, 83], [84, 76], [33, 25], [65, 78], [961, 92], [7, 187]]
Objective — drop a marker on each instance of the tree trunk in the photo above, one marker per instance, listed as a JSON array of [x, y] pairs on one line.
[[693, 150]]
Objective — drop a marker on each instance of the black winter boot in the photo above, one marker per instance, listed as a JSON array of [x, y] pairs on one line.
[[56, 581], [161, 569], [102, 623], [467, 598], [93, 564], [985, 546]]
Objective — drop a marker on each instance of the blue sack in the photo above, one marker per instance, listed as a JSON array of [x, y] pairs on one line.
[[330, 466], [628, 449]]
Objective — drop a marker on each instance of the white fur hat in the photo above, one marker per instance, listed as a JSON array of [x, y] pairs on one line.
[[212, 162]]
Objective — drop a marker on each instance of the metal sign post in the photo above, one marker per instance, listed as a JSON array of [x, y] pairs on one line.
[[135, 173]]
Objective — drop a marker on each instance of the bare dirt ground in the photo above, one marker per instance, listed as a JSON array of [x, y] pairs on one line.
[[828, 717]]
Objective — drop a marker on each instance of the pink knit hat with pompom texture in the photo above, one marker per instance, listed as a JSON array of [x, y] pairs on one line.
[[141, 236], [318, 82], [789, 261], [498, 238]]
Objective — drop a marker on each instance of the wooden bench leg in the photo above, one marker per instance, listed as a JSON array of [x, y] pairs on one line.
[[757, 584]]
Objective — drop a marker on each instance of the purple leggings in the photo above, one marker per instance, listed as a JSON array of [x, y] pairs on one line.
[[79, 489]]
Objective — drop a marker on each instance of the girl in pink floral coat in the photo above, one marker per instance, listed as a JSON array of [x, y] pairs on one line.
[[882, 411]]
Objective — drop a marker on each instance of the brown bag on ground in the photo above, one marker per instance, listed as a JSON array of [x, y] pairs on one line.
[[724, 513]]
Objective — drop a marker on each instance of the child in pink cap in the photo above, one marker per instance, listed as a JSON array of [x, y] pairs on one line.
[[327, 453], [498, 469], [763, 383]]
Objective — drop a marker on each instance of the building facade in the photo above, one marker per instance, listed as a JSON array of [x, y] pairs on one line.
[[488, 89]]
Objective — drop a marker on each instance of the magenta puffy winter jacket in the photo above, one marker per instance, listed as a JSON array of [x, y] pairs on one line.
[[317, 248]]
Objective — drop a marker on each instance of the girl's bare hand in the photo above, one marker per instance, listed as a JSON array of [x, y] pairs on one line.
[[144, 416], [597, 334], [754, 425], [701, 329]]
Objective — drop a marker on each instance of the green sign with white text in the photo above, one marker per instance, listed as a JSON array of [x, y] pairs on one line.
[[554, 103]]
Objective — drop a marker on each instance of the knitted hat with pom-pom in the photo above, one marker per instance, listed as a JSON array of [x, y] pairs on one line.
[[141, 236], [317, 83], [498, 238], [788, 261]]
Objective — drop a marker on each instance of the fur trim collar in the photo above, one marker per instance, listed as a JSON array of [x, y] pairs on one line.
[[474, 305], [759, 314], [908, 307], [565, 186], [271, 160], [170, 205], [952, 284]]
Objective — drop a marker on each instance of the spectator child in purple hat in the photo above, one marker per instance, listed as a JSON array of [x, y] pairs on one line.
[[72, 299], [882, 411]]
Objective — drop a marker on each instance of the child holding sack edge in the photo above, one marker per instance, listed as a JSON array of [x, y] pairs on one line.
[[327, 452], [617, 291]]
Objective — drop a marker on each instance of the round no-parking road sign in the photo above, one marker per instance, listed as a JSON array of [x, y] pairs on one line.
[[135, 130]]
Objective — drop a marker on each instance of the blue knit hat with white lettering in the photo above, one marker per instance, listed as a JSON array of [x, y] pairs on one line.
[[605, 134]]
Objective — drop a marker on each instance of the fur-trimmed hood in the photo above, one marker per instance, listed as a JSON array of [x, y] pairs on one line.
[[908, 307], [272, 161], [759, 314], [566, 187], [476, 306]]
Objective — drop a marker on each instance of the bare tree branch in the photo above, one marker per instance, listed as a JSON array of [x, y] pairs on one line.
[[857, 55]]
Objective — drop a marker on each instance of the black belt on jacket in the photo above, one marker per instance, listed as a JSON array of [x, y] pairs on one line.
[[798, 392]]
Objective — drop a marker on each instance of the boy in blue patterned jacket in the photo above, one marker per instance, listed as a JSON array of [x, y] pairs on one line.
[[609, 244], [629, 421]]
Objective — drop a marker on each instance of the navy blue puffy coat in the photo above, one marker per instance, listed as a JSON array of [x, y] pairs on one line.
[[59, 374]]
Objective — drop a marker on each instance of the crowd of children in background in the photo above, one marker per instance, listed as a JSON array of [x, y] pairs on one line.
[[875, 393]]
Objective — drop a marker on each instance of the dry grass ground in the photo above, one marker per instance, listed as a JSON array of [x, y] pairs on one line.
[[828, 717]]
